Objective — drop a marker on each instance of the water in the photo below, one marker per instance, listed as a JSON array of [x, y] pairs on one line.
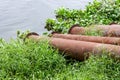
[[31, 14]]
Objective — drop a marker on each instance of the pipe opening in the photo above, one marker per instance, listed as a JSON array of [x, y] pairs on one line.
[[29, 34], [76, 25], [52, 33], [32, 33], [113, 23]]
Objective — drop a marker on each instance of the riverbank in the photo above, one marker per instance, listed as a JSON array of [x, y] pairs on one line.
[[31, 60], [27, 60]]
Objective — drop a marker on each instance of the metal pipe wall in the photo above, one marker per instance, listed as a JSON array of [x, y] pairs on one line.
[[97, 39], [78, 49], [106, 30]]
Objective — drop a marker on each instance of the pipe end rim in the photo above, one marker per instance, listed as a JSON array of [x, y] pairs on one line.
[[75, 25]]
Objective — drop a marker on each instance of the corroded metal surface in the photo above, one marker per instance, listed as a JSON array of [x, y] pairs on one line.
[[78, 50], [76, 29], [98, 39], [107, 30]]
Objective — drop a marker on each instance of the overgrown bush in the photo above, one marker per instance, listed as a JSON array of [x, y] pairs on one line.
[[98, 12]]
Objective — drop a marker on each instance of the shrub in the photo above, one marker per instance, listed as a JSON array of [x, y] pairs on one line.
[[98, 12]]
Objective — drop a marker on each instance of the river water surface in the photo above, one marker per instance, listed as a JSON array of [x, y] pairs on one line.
[[31, 14]]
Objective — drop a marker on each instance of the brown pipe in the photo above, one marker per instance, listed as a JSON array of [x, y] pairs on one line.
[[106, 30], [113, 23], [76, 29], [78, 49], [97, 39]]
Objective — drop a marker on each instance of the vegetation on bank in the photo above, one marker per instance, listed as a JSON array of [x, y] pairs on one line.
[[98, 12], [37, 60], [30, 60]]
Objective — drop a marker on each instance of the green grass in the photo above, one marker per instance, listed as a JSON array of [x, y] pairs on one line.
[[38, 60]]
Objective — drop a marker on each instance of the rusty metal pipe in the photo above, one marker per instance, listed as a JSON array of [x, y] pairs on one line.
[[77, 49], [97, 39], [106, 30]]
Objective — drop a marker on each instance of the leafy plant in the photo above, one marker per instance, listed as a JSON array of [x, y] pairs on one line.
[[98, 12], [22, 35]]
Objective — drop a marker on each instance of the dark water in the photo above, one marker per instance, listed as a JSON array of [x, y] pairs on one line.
[[31, 14]]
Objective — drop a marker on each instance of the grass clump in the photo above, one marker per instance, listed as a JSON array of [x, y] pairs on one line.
[[38, 60], [28, 61]]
